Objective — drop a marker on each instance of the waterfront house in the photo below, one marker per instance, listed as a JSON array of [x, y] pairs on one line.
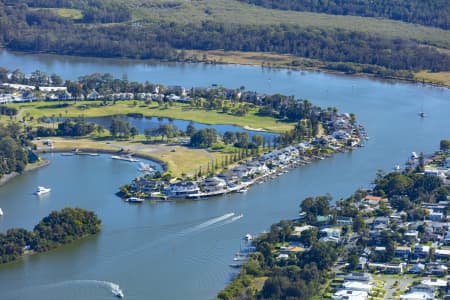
[[213, 184], [182, 189], [298, 230]]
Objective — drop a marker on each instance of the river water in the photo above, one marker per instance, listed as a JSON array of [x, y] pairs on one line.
[[182, 250]]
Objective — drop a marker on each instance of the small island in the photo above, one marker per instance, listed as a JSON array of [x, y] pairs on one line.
[[57, 229]]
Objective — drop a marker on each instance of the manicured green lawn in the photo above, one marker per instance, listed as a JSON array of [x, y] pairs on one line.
[[178, 111]]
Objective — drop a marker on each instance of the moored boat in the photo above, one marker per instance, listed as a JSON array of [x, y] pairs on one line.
[[248, 237], [135, 200], [1, 212], [40, 190]]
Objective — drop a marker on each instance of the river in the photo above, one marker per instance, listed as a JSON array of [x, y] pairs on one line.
[[182, 250]]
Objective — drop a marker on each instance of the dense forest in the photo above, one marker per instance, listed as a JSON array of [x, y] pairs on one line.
[[93, 11], [58, 228], [24, 29], [427, 12], [13, 155]]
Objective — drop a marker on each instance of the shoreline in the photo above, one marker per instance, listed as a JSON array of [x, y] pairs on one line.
[[264, 55], [7, 177], [162, 163]]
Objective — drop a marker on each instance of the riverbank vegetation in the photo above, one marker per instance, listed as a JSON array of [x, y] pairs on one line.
[[13, 153], [384, 48], [58, 228], [378, 231], [300, 274]]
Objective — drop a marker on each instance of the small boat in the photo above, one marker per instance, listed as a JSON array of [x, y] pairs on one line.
[[40, 190], [237, 265], [243, 190], [241, 258], [117, 292], [421, 114], [397, 168], [135, 200], [1, 212], [248, 237], [145, 167], [125, 158]]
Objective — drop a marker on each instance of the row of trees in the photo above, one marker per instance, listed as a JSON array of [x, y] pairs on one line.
[[427, 12], [58, 228], [29, 30], [8, 111]]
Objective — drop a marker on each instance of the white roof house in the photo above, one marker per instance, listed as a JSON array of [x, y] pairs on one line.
[[357, 286], [350, 295]]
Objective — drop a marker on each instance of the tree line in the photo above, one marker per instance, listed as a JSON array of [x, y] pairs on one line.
[[13, 153], [58, 228], [93, 11], [27, 30], [426, 12], [77, 127]]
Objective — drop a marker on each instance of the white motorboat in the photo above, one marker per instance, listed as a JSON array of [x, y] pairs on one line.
[[1, 212], [135, 200], [117, 292], [40, 190], [248, 237], [145, 167]]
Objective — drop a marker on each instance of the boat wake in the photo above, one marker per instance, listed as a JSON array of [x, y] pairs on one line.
[[233, 219], [112, 287], [208, 223]]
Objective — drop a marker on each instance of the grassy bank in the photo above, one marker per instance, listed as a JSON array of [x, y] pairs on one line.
[[89, 109], [179, 160]]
